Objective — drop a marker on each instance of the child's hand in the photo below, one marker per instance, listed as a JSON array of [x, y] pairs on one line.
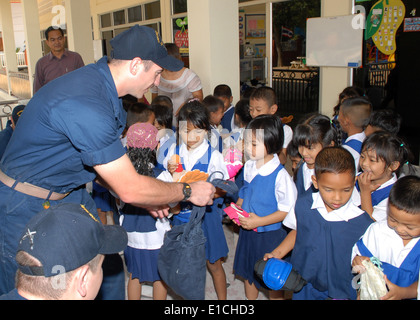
[[268, 256], [172, 167], [398, 293], [250, 222], [365, 182], [357, 263], [219, 193]]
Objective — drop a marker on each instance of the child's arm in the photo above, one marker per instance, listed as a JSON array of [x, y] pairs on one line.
[[366, 189], [254, 221], [284, 247], [239, 202]]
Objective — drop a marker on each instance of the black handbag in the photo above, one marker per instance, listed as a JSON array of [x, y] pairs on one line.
[[182, 257]]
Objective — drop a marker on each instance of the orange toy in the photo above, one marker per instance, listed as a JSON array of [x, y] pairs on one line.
[[177, 160]]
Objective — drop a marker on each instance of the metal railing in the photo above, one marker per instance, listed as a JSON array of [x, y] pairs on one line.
[[297, 90], [374, 79]]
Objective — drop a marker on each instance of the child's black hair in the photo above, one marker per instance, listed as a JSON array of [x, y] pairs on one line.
[[405, 194], [194, 112], [265, 93], [163, 115], [388, 148], [334, 160], [138, 112], [348, 92], [163, 100], [141, 158], [317, 128], [293, 152], [212, 103], [273, 131], [385, 119], [242, 111], [358, 109], [222, 90]]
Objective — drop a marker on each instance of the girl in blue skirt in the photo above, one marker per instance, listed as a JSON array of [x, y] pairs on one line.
[[267, 195]]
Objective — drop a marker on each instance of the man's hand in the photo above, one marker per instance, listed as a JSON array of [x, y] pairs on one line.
[[202, 193]]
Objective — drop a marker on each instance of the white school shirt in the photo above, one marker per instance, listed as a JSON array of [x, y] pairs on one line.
[[349, 211], [385, 244], [360, 137], [288, 135], [380, 210], [152, 240], [285, 189], [191, 157], [307, 176]]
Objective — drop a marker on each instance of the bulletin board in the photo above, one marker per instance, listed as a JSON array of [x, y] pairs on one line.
[[334, 42], [254, 26]]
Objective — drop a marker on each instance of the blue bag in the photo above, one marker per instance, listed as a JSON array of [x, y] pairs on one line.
[[182, 257]]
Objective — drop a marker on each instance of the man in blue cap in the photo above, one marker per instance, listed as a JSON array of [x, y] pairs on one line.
[[69, 135], [60, 254]]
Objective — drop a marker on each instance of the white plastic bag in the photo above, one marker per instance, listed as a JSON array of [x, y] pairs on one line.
[[372, 282]]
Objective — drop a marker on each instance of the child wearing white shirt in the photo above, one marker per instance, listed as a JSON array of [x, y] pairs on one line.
[[395, 241]]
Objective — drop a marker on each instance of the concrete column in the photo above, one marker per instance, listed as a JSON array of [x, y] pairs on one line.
[[165, 13], [214, 43], [6, 22], [79, 29], [32, 36], [333, 79]]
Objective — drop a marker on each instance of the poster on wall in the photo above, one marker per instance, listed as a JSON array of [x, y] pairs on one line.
[[412, 24], [181, 35], [382, 24], [254, 26]]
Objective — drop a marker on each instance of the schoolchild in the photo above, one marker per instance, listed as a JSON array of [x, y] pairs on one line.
[[166, 135], [353, 117], [194, 152], [395, 241], [267, 195], [215, 109], [383, 120], [383, 155], [224, 93], [324, 227], [263, 100], [295, 158], [311, 136], [145, 233]]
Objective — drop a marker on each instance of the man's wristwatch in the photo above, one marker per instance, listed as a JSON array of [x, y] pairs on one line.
[[186, 190]]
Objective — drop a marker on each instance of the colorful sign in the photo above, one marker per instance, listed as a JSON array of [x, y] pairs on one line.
[[382, 24], [411, 24], [181, 36]]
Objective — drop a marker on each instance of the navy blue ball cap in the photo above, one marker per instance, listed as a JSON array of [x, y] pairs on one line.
[[66, 237], [145, 43]]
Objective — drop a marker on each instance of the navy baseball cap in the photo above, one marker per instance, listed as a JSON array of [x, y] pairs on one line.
[[17, 111], [66, 237], [145, 43]]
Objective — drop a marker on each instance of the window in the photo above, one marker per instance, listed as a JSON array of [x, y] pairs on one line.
[[106, 20], [134, 14], [179, 6], [113, 23], [152, 10], [119, 17]]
